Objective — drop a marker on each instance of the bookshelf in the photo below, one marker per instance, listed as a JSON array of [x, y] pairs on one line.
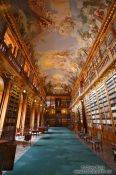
[[100, 105], [104, 106], [111, 90], [94, 110], [9, 127], [28, 115], [88, 111], [35, 120], [79, 111]]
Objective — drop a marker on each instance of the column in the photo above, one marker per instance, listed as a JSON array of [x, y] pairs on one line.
[[4, 102]]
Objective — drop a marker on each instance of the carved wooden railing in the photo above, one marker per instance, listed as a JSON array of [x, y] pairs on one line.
[[9, 56], [9, 21], [17, 66]]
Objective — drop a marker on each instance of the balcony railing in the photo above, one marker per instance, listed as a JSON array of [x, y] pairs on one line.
[[13, 61], [9, 56]]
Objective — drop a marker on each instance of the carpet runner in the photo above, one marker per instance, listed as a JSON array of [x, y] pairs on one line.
[[59, 152]]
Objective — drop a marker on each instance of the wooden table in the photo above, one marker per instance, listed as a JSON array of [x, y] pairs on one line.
[[35, 132], [42, 129]]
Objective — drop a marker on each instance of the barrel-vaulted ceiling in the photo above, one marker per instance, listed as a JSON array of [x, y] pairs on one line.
[[59, 34]]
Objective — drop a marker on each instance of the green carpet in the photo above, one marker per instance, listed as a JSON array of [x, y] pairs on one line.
[[59, 152]]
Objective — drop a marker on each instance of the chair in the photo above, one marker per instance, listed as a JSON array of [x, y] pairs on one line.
[[81, 133], [88, 136], [114, 150], [97, 142], [27, 138]]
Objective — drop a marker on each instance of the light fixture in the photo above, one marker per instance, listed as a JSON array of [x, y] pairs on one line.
[[64, 111], [24, 91]]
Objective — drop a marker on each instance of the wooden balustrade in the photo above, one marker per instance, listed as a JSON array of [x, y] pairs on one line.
[[16, 64]]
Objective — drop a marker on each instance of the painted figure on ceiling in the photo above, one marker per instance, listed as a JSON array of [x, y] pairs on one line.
[[73, 24]]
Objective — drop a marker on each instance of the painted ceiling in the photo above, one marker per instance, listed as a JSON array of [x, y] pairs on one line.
[[59, 35]]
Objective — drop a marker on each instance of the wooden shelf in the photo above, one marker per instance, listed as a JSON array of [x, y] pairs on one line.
[[9, 127]]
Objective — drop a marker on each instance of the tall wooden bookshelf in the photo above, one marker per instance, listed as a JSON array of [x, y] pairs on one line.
[[88, 111], [28, 115], [100, 106], [104, 107], [9, 127], [111, 91], [35, 119], [94, 110], [79, 112]]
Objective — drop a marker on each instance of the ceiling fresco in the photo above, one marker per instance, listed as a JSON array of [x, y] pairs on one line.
[[59, 35]]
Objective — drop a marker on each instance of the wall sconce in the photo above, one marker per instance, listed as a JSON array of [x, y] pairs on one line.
[[52, 111], [64, 111], [24, 91]]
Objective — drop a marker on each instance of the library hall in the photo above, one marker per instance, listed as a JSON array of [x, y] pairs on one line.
[[57, 87]]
